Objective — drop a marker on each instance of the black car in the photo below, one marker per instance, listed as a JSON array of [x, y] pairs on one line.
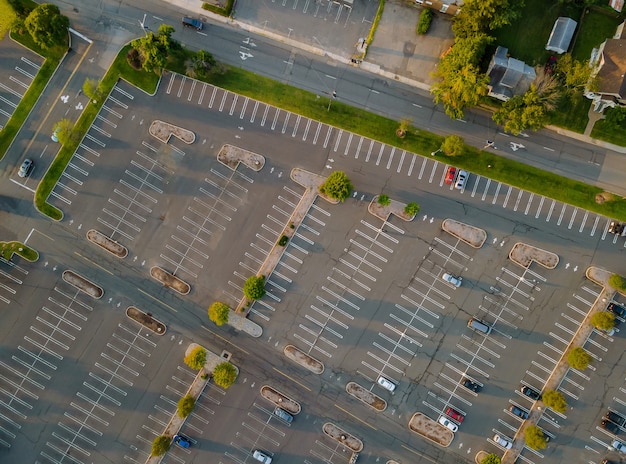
[[616, 309], [470, 385], [610, 426], [617, 228], [615, 418], [518, 412], [531, 393]]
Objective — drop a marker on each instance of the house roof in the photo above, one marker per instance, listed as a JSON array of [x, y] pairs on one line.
[[561, 35], [611, 74], [508, 76]]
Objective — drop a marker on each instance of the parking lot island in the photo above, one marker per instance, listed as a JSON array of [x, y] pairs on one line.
[[280, 399], [364, 395], [337, 433], [300, 357], [146, 319], [231, 156], [110, 245], [164, 131], [384, 211], [431, 430], [82, 284], [170, 280], [471, 235], [524, 255]]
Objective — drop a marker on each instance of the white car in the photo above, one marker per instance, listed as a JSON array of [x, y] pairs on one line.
[[386, 383], [443, 420], [502, 441], [456, 281], [619, 446], [460, 179], [262, 457]]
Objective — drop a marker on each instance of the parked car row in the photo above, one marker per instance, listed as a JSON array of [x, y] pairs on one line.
[[456, 176]]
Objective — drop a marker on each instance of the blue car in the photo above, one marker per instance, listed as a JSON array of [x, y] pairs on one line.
[[182, 441]]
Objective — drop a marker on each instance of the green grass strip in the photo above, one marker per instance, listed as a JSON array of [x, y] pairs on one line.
[[8, 249]]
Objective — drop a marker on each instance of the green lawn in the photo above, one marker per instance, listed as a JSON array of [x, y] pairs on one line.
[[572, 113], [598, 25], [608, 134], [8, 249]]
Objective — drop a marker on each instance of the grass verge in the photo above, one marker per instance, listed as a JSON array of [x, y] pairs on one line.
[[8, 249], [572, 113], [603, 131], [226, 11]]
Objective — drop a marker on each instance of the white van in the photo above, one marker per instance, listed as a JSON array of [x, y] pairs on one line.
[[479, 326]]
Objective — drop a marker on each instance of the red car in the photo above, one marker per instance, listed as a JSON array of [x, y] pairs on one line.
[[450, 175], [454, 414]]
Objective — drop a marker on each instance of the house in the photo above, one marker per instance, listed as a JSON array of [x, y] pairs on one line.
[[561, 35], [609, 61], [508, 76], [617, 5]]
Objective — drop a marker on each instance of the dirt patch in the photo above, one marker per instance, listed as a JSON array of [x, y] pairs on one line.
[[366, 396], [343, 437], [471, 235], [524, 255], [170, 280], [231, 156], [107, 243], [300, 357], [164, 130], [431, 429], [383, 211], [604, 197], [146, 319], [83, 284], [280, 399]]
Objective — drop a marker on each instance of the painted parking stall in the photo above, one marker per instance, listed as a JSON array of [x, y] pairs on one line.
[[11, 278]]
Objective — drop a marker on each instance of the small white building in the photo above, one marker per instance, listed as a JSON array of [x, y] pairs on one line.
[[561, 35]]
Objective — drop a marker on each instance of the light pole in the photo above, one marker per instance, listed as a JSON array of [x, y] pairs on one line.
[[330, 100]]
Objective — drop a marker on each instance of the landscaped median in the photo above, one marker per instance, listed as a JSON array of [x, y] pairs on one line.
[[8, 249], [431, 429]]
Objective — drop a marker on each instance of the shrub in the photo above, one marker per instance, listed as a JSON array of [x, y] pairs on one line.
[[426, 17], [384, 200], [603, 320], [254, 289], [196, 358], [283, 240], [617, 282], [453, 145], [185, 406], [412, 208], [534, 437], [491, 459], [578, 358], [218, 313], [555, 400], [134, 59], [160, 445], [337, 186], [224, 374]]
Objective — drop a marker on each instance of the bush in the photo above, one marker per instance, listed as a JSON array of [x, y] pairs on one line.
[[283, 240], [534, 438], [160, 445], [196, 358], [134, 59], [224, 374], [47, 26], [426, 17], [219, 312], [491, 459], [254, 289], [555, 400], [185, 406], [337, 186], [384, 200], [64, 130], [412, 208], [578, 358], [453, 145], [617, 282], [603, 320]]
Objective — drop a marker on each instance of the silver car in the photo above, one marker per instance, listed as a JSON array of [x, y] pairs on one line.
[[503, 442], [25, 167], [443, 420], [461, 178], [386, 383], [284, 415], [262, 457], [452, 280]]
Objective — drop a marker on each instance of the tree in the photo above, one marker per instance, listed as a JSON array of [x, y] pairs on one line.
[[202, 64], [459, 89], [154, 48], [615, 119], [160, 445], [337, 186], [491, 459], [254, 288], [423, 24], [603, 320], [576, 75], [196, 359], [93, 90], [224, 374], [219, 312], [185, 406], [452, 145], [384, 200], [555, 400], [578, 358], [534, 437], [64, 131], [47, 26], [617, 282], [485, 15], [412, 208]]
